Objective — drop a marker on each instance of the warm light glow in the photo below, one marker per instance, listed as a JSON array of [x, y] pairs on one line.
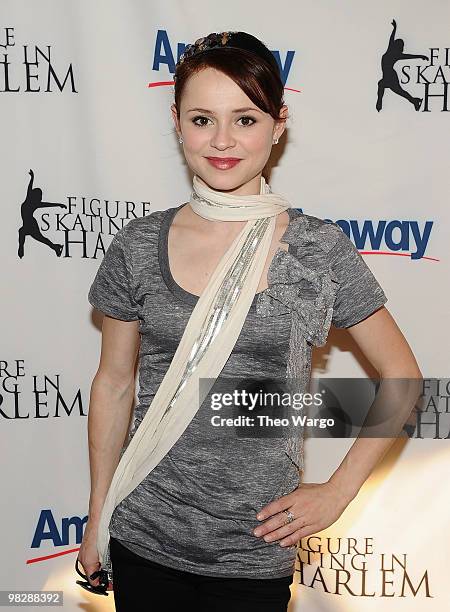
[[402, 508]]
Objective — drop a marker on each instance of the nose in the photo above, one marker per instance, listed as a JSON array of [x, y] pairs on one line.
[[222, 137]]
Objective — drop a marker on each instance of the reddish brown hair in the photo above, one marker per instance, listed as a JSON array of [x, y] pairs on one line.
[[256, 77]]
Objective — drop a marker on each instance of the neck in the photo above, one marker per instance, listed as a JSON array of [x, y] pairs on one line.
[[214, 228], [252, 187]]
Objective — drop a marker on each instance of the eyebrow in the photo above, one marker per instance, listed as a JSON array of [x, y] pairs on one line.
[[237, 110]]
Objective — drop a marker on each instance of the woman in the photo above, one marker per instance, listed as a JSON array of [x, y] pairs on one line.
[[234, 282]]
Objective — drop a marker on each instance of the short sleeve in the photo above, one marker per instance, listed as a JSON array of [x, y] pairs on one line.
[[111, 290], [359, 294]]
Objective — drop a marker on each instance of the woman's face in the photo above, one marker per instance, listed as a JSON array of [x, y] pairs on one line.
[[220, 130]]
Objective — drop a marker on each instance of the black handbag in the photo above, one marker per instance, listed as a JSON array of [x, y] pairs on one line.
[[101, 589]]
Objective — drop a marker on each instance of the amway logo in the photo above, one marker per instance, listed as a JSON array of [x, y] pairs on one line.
[[47, 530], [165, 57], [396, 235], [368, 236]]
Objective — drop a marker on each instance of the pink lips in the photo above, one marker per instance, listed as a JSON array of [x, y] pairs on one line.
[[223, 163]]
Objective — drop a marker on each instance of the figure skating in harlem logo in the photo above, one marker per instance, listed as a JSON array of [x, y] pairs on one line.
[[389, 80], [30, 227]]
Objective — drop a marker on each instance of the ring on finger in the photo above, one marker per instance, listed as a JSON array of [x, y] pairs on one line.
[[290, 517]]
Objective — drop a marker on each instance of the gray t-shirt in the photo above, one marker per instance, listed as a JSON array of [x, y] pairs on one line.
[[197, 509]]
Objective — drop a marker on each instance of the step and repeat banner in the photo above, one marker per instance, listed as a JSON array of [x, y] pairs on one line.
[[88, 143]]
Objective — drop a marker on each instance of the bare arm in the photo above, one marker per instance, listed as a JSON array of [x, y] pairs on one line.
[[386, 348], [112, 394]]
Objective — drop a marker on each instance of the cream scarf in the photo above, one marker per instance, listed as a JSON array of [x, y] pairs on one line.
[[206, 344]]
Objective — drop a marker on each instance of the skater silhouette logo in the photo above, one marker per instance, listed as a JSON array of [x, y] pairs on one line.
[[30, 226], [389, 79]]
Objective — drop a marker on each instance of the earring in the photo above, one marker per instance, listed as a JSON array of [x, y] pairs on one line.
[[275, 141], [180, 140]]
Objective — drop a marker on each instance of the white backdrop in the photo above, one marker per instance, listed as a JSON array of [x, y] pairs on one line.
[[77, 109]]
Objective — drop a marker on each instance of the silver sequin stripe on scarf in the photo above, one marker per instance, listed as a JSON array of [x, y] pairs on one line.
[[224, 301]]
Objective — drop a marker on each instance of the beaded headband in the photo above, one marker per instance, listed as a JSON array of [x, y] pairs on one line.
[[234, 39]]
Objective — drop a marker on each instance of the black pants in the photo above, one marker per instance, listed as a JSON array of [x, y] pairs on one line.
[[142, 585]]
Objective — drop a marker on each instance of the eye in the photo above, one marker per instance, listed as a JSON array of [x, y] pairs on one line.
[[199, 117], [202, 117], [248, 117]]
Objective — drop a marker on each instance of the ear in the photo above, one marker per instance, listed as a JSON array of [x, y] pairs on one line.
[[280, 125], [173, 110]]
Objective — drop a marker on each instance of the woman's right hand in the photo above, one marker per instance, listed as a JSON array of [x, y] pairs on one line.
[[88, 555]]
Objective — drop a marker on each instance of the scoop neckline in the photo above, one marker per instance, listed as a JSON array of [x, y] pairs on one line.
[[163, 257]]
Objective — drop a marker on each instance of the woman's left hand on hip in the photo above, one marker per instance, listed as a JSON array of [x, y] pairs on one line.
[[311, 507]]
